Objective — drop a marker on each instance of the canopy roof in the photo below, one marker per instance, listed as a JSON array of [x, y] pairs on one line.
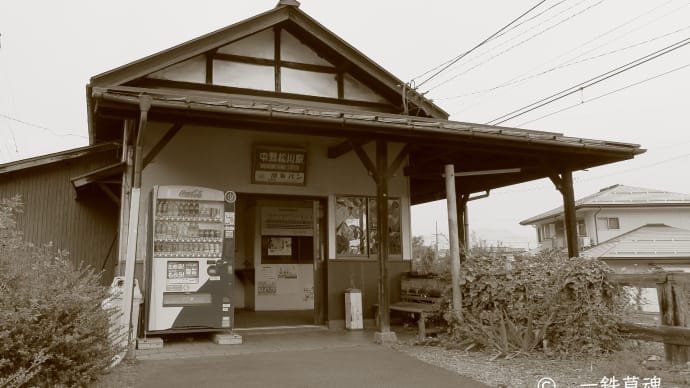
[[201, 83]]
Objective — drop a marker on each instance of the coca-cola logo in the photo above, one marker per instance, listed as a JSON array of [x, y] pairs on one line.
[[190, 194]]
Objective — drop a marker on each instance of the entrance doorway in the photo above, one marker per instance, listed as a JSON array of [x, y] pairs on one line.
[[279, 261]]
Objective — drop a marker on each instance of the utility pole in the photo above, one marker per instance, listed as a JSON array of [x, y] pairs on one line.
[[436, 250]]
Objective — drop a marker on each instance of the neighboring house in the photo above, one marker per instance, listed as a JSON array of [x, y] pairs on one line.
[[647, 248], [611, 212]]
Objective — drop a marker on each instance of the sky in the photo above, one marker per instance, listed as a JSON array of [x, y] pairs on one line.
[[49, 50]]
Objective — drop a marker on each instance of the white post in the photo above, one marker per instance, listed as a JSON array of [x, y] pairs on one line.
[[454, 239]]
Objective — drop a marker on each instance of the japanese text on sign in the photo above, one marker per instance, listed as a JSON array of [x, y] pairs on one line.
[[279, 166]]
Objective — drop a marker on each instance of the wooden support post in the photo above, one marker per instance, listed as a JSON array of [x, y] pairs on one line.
[[127, 178], [384, 334], [454, 240], [564, 184], [463, 224], [570, 217], [673, 310], [144, 106]]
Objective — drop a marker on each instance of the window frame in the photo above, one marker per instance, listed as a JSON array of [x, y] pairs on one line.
[[368, 221], [606, 223]]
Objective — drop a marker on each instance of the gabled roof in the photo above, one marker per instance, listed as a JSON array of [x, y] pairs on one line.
[[42, 160], [285, 14], [488, 156], [648, 241], [619, 196]]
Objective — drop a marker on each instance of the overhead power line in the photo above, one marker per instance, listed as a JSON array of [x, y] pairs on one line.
[[592, 81], [573, 60], [520, 43], [459, 57], [497, 36], [606, 94], [566, 64], [53, 132]]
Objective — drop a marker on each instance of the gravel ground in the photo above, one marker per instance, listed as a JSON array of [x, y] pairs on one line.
[[527, 371]]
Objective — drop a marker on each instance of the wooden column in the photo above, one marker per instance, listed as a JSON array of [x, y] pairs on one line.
[[673, 311], [564, 184], [144, 106], [463, 224], [454, 239], [127, 178], [382, 234]]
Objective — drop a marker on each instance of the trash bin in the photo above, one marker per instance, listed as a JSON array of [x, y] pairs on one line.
[[353, 309]]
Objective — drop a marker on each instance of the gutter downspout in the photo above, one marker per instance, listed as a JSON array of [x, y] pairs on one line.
[[596, 228]]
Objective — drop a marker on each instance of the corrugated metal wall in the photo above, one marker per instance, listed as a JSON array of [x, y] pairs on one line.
[[85, 227]]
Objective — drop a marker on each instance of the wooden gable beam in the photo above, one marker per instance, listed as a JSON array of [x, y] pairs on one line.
[[399, 159], [341, 149], [172, 131], [366, 161], [109, 193]]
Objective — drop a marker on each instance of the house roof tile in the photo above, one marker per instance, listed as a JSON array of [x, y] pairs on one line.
[[619, 195], [648, 241]]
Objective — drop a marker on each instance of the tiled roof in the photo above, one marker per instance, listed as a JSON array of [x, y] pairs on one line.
[[385, 121], [56, 157], [648, 241], [619, 195]]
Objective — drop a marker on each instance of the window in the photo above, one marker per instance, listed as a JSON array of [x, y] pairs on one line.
[[581, 228], [608, 223], [355, 232], [548, 231]]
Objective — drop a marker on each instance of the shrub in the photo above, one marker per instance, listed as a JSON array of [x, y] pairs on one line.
[[565, 302], [53, 331]]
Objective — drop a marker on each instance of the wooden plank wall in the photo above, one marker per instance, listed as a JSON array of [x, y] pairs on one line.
[[85, 227]]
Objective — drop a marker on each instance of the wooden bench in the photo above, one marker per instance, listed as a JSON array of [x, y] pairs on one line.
[[420, 296]]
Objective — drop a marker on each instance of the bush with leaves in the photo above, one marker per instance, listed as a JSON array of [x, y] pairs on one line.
[[53, 330], [519, 306]]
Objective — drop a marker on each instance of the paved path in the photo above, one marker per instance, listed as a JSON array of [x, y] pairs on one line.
[[315, 359]]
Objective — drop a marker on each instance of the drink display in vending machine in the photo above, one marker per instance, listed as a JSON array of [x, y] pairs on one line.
[[190, 257]]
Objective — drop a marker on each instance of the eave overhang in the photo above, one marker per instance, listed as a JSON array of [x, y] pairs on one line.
[[432, 142]]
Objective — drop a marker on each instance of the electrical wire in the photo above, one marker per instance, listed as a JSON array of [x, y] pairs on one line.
[[564, 65], [11, 150], [516, 80], [51, 131], [577, 179], [635, 169], [568, 18], [593, 81], [497, 36], [459, 57], [605, 94]]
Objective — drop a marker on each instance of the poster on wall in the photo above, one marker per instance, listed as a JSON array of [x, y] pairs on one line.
[[279, 165], [267, 281], [266, 288], [288, 272], [288, 279], [287, 221], [308, 294], [280, 246]]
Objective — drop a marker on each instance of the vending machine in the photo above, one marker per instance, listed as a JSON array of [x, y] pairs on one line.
[[190, 260]]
